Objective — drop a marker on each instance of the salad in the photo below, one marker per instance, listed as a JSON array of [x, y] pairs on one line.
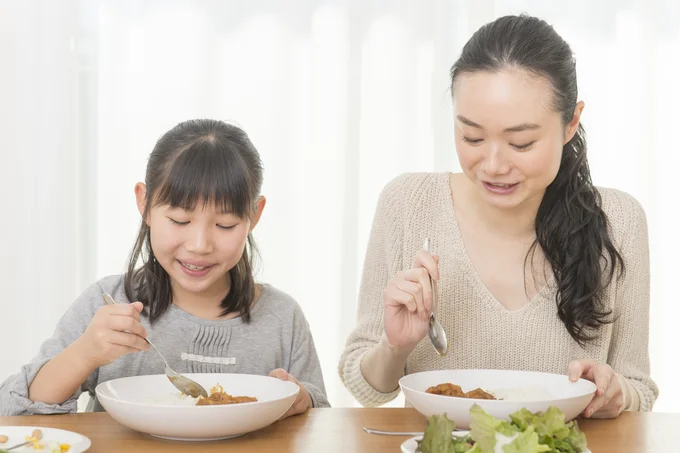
[[525, 433]]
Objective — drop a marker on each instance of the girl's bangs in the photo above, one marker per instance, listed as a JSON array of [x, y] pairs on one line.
[[205, 173]]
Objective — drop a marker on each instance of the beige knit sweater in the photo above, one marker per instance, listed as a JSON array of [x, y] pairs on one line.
[[482, 333]]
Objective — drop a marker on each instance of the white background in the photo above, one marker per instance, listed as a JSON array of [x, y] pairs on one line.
[[339, 97]]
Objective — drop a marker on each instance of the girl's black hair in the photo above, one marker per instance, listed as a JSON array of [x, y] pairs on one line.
[[198, 161]]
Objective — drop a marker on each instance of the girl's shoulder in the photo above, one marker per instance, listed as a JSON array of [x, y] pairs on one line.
[[91, 299], [275, 302], [114, 285]]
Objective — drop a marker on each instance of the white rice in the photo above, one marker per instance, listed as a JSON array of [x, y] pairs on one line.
[[172, 399], [533, 393]]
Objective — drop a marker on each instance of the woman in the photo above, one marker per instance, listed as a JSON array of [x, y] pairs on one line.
[[537, 269]]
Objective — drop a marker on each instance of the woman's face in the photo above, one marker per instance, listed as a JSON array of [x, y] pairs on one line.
[[508, 136]]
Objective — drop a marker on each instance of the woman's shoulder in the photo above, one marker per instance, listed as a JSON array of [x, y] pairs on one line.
[[409, 184], [622, 208], [410, 190], [625, 213]]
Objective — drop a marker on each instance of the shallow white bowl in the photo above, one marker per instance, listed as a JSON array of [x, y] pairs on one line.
[[150, 404], [569, 397]]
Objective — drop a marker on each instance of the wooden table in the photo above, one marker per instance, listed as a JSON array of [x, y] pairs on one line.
[[340, 430]]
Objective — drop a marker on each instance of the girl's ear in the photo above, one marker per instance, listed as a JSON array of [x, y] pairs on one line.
[[259, 207], [140, 195]]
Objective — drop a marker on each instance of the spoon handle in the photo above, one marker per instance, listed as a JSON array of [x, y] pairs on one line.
[[393, 433], [435, 329], [16, 446], [159, 353], [109, 301], [433, 285]]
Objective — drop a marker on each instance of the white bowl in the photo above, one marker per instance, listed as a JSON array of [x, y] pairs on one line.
[[150, 404], [569, 397]]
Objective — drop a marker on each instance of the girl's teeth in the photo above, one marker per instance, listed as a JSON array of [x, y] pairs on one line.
[[192, 267]]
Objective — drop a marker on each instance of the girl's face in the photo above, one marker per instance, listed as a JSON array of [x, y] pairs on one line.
[[508, 136], [197, 248]]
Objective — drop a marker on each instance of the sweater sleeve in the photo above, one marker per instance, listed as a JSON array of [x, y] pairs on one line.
[[304, 361], [14, 391], [629, 348], [382, 260]]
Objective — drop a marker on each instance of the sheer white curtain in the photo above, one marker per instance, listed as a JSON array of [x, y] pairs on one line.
[[44, 175], [339, 97]]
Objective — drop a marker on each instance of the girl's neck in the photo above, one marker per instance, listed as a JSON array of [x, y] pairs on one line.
[[206, 304]]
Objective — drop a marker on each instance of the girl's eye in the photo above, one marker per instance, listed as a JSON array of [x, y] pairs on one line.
[[472, 141], [522, 147], [176, 222], [222, 227]]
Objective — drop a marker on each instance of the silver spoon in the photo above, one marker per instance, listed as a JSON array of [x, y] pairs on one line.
[[393, 433], [436, 331], [182, 383]]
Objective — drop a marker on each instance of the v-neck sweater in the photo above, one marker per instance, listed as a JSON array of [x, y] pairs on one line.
[[482, 333]]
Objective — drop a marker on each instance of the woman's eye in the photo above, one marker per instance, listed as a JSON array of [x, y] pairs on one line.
[[225, 227], [177, 222], [472, 141], [522, 147]]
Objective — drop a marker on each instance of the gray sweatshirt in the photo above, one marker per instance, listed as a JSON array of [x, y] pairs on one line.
[[278, 336]]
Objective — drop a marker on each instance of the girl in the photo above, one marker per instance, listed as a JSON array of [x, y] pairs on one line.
[[537, 269], [194, 293]]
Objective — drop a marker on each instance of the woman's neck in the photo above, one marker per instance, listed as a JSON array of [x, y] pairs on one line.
[[518, 222]]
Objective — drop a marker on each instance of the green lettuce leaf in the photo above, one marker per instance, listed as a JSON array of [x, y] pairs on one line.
[[437, 437], [483, 429], [526, 442]]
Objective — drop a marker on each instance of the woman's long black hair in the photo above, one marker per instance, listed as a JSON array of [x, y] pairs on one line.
[[571, 227]]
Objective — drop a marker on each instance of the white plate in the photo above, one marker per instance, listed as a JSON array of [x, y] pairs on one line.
[[569, 397], [150, 404], [410, 445], [17, 435]]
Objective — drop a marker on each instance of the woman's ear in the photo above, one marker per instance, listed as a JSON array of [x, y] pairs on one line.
[[572, 127]]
